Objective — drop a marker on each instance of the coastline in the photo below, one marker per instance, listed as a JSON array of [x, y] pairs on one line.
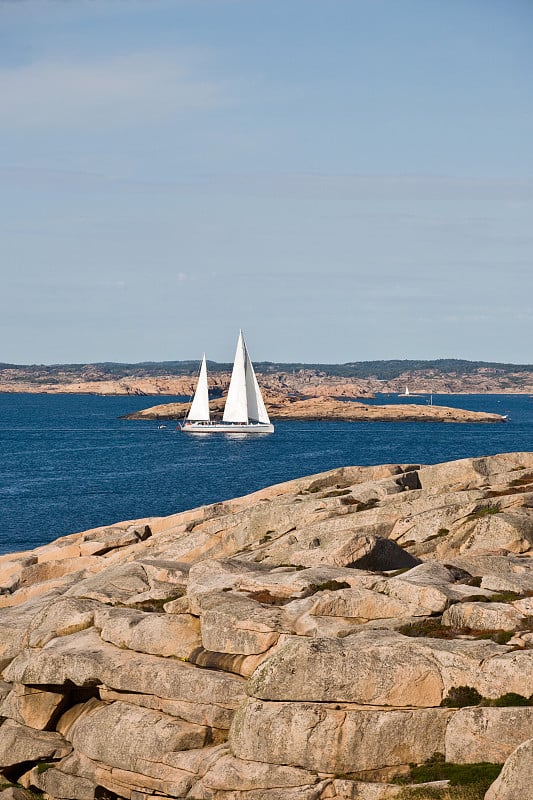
[[205, 653]]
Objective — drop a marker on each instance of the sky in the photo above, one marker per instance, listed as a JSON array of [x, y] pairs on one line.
[[346, 180]]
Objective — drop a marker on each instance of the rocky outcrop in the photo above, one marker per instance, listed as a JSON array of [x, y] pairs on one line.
[[309, 642], [516, 778], [282, 406]]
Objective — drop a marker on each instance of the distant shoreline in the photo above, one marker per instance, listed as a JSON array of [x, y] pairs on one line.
[[353, 380], [8, 389]]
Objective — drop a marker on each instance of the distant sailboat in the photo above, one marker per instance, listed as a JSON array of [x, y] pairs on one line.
[[406, 393], [244, 411]]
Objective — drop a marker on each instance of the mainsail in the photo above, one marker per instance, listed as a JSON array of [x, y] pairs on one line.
[[244, 402], [199, 411]]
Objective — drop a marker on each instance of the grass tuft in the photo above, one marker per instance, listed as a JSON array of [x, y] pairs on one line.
[[467, 781]]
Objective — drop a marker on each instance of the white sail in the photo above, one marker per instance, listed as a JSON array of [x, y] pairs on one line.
[[236, 408], [244, 402], [256, 407], [199, 411]]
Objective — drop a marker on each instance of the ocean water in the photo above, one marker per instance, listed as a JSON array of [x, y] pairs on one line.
[[68, 463]]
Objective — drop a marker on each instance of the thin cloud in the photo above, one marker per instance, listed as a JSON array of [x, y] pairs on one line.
[[109, 91]]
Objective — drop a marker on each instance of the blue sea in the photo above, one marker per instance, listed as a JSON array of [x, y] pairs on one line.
[[68, 463]]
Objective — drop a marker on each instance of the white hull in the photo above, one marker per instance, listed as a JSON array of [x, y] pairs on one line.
[[227, 427]]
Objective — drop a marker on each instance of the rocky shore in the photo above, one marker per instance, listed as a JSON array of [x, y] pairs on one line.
[[282, 407], [316, 640], [306, 381]]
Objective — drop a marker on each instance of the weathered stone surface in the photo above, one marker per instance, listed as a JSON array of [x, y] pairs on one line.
[[70, 779], [230, 773], [318, 791], [85, 660], [237, 624], [38, 591], [14, 625], [428, 589], [61, 617], [470, 472], [16, 793], [509, 672], [357, 549], [511, 531], [483, 616], [5, 689], [487, 734], [516, 778], [30, 706], [19, 744], [385, 668], [208, 714], [308, 735], [105, 539], [159, 634], [209, 576], [114, 585], [524, 606], [499, 573], [148, 636], [361, 604], [51, 570], [131, 737]]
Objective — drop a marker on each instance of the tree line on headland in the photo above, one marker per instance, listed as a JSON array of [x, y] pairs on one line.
[[380, 370]]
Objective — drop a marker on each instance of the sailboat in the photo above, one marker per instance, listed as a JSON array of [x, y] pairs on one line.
[[244, 411]]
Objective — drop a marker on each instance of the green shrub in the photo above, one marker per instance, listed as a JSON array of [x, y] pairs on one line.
[[431, 627], [505, 597], [331, 586], [484, 511], [460, 696], [502, 637], [43, 767], [509, 699]]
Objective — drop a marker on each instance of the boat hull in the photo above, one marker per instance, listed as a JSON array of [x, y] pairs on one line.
[[227, 427]]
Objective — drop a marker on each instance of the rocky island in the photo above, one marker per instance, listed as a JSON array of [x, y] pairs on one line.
[[362, 634], [284, 407]]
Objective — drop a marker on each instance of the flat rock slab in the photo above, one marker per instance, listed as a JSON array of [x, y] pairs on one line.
[[147, 632], [326, 739], [487, 734], [31, 706], [130, 737], [20, 744], [386, 668], [233, 623], [233, 774], [483, 616], [85, 660]]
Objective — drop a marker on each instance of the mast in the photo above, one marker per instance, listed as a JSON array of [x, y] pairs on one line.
[[199, 410]]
